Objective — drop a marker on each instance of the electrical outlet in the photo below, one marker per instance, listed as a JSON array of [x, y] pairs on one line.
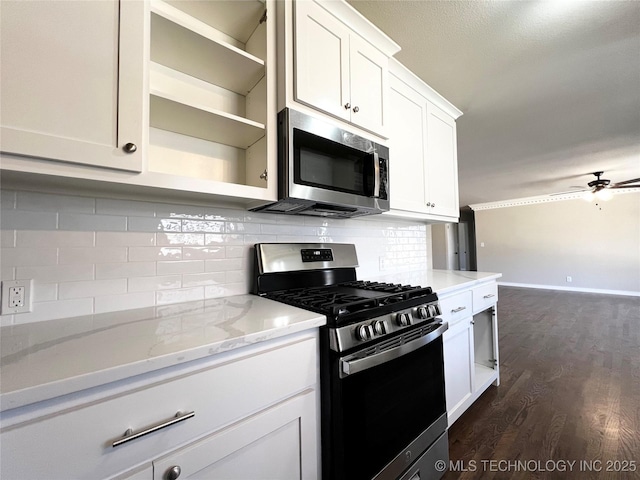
[[569, 279], [16, 296]]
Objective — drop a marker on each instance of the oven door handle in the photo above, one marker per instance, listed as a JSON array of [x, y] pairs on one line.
[[349, 367]]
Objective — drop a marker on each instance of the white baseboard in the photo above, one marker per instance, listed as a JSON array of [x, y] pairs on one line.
[[572, 289]]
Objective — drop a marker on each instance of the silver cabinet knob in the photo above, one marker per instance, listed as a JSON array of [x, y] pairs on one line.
[[433, 204], [173, 473], [130, 148], [264, 175], [356, 109], [428, 204], [347, 106]]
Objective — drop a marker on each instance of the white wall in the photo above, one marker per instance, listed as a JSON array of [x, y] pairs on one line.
[[598, 245], [93, 255]]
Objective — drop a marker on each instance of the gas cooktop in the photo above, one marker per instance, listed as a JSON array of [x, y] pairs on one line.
[[352, 301]]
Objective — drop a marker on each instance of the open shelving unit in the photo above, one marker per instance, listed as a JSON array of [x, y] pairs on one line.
[[208, 93]]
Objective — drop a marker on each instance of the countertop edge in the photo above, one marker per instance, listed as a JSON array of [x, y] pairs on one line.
[[99, 378]]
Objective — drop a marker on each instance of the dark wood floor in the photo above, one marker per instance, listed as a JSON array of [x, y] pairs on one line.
[[570, 391]]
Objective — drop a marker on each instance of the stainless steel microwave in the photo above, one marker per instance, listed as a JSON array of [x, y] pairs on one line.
[[326, 171]]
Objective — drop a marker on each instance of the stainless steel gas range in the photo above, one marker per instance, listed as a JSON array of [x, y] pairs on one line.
[[382, 375]]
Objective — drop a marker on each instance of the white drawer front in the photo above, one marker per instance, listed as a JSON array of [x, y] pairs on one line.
[[484, 296], [78, 443], [456, 307]]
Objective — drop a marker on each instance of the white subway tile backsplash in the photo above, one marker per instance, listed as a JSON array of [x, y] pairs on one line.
[[204, 226], [203, 279], [151, 284], [203, 253], [56, 309], [180, 238], [182, 266], [127, 301], [235, 276], [179, 211], [27, 220], [152, 254], [95, 288], [7, 238], [44, 292], [165, 297], [86, 222], [128, 208], [145, 224], [7, 273], [125, 270], [85, 255], [124, 239], [56, 273], [233, 251], [223, 265], [49, 238], [240, 227], [15, 257], [45, 202], [93, 255], [7, 199]]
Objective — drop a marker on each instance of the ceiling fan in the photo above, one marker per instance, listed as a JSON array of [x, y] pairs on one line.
[[599, 188]]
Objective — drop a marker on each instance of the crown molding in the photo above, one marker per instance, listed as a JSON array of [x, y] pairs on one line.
[[518, 202]]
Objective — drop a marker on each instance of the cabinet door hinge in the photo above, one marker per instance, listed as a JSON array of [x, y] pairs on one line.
[[263, 18]]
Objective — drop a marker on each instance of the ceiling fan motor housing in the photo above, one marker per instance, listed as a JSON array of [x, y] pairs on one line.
[[599, 183]]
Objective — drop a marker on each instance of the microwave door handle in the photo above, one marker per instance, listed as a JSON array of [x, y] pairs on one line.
[[376, 175]]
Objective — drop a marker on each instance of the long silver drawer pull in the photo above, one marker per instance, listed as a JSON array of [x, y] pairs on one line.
[[129, 435], [459, 309], [489, 296]]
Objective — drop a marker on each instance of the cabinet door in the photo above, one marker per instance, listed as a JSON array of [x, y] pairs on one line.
[[279, 443], [442, 161], [321, 60], [72, 81], [458, 366], [407, 130], [368, 73]]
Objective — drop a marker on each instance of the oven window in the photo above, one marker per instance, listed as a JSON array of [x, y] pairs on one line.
[[386, 407], [323, 163]]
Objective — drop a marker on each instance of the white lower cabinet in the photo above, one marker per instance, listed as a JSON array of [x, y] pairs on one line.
[[268, 445], [254, 417], [470, 346], [458, 365]]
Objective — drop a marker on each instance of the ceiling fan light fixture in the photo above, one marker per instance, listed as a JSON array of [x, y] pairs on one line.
[[603, 194], [588, 196]]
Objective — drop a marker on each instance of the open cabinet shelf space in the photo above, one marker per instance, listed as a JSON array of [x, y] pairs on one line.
[[188, 45]]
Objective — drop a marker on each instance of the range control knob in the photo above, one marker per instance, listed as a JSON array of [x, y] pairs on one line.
[[364, 332], [403, 319], [379, 327], [423, 312], [434, 310]]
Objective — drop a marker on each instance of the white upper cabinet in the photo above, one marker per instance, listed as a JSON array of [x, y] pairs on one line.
[[337, 70], [423, 152], [442, 163], [322, 60], [182, 92], [407, 147], [72, 81]]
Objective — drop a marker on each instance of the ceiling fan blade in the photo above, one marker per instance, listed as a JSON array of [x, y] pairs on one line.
[[626, 182], [568, 192], [624, 186]]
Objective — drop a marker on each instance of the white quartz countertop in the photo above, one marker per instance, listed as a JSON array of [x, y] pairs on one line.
[[441, 281], [44, 360]]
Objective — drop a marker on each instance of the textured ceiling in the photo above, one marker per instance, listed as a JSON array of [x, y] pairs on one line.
[[549, 90]]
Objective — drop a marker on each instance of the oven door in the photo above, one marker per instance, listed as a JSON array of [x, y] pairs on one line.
[[387, 406]]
